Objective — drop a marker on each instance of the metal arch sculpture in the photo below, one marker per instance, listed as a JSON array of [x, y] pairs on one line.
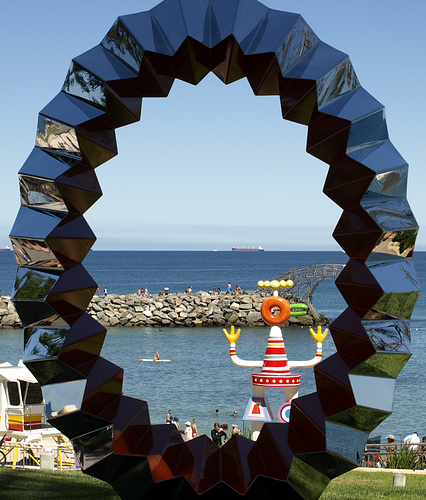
[[306, 279], [279, 54]]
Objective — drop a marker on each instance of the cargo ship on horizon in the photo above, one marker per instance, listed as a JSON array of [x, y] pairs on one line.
[[247, 249]]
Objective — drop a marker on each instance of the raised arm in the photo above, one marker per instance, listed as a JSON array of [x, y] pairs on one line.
[[233, 337], [319, 338]]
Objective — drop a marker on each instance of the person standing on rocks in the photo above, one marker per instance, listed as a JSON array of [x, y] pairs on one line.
[[166, 290], [105, 291], [229, 288]]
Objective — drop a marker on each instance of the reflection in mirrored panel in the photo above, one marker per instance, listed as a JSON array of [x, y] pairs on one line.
[[390, 214], [382, 364], [62, 399], [300, 470], [34, 253], [81, 83], [31, 284], [43, 343], [345, 441], [397, 276], [300, 40], [57, 136], [393, 306], [373, 392], [34, 313], [400, 243], [121, 43], [41, 193], [392, 183], [93, 447], [361, 418], [389, 336], [337, 82], [368, 131]]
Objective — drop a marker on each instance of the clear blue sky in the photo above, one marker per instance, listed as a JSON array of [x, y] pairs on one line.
[[212, 166]]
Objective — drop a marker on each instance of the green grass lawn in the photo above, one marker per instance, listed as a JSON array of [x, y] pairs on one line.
[[355, 485]]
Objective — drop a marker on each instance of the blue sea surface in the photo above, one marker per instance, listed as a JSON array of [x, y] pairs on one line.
[[201, 377]]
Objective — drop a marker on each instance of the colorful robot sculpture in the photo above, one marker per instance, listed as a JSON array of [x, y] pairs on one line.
[[275, 368]]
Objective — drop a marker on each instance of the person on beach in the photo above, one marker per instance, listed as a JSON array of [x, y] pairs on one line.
[[413, 440], [218, 436], [98, 292], [218, 290], [188, 431], [105, 291], [175, 421], [169, 417], [238, 290], [235, 430], [146, 291], [166, 290], [229, 288], [194, 429]]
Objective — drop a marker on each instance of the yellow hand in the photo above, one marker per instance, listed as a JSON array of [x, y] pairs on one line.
[[233, 336], [319, 336]]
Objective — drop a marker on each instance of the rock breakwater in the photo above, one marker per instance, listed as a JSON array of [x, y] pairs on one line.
[[200, 309]]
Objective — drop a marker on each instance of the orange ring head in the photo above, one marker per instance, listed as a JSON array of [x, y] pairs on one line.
[[275, 319]]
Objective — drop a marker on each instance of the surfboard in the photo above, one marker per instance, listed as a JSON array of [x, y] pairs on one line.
[[157, 360]]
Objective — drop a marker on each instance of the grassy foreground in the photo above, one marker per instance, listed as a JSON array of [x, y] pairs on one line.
[[355, 485]]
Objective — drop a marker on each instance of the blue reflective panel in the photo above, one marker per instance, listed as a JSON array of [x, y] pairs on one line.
[[94, 446], [250, 23], [373, 392], [389, 336], [345, 441], [382, 157], [369, 130], [168, 26], [31, 284], [33, 224], [34, 253], [57, 136], [67, 108], [336, 83], [297, 43], [41, 193], [80, 83], [392, 183], [390, 214], [353, 106], [62, 399], [41, 164], [399, 276], [123, 45], [43, 343]]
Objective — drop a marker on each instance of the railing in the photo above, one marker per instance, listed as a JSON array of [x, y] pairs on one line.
[[18, 454], [394, 456]]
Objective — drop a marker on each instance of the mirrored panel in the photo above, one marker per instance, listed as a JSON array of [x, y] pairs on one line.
[[392, 183], [345, 441], [43, 343], [41, 193], [373, 392], [58, 136], [122, 44], [395, 243], [336, 83], [31, 284], [397, 276], [81, 83], [34, 313], [62, 399], [389, 336], [391, 214], [382, 364], [95, 446], [393, 306], [34, 253], [367, 131], [300, 40], [361, 418]]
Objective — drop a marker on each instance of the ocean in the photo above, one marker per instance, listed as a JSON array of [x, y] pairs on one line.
[[201, 378]]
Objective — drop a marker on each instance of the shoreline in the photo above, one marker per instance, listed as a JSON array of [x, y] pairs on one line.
[[199, 309]]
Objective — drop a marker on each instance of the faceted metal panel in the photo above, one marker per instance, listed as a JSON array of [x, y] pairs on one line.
[[279, 54]]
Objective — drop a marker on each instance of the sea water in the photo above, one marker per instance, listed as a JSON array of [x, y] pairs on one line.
[[201, 377]]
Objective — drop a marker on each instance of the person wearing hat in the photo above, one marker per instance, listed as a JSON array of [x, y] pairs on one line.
[[188, 431], [390, 447]]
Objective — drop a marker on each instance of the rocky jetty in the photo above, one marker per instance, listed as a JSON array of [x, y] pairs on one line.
[[178, 309]]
